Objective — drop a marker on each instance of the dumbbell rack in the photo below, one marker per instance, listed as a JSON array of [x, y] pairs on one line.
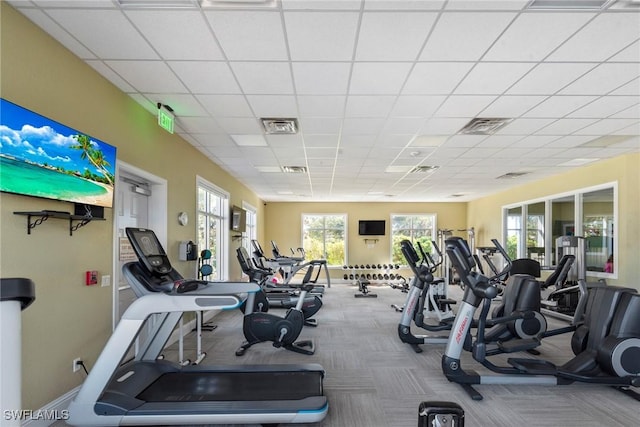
[[369, 272]]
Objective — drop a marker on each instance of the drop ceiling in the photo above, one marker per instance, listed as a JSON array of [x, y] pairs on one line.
[[380, 89]]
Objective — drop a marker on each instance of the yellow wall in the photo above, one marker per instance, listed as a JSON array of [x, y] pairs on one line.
[[68, 319], [284, 225], [486, 213]]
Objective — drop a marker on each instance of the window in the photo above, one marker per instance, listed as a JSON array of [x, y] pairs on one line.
[[213, 208], [251, 231], [590, 213], [324, 237], [415, 228]]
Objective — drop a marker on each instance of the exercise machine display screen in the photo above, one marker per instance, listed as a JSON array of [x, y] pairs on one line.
[[149, 250]]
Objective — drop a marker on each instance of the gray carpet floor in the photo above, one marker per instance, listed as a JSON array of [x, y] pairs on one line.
[[374, 380]]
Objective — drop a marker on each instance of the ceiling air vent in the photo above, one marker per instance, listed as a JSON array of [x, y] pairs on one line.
[[274, 126], [484, 125], [423, 169], [294, 169], [512, 175]]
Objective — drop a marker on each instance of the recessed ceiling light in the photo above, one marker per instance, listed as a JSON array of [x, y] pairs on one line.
[[578, 162], [158, 4], [568, 4], [285, 193], [249, 140], [237, 3], [268, 169], [606, 141], [397, 169]]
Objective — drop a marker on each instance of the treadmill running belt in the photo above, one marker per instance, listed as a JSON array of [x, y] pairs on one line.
[[241, 386]]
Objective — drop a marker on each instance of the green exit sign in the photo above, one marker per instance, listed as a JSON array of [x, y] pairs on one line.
[[165, 120]]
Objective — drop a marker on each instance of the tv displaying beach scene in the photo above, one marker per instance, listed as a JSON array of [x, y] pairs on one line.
[[43, 158]]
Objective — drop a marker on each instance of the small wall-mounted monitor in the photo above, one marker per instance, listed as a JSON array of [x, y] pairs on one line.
[[371, 227], [238, 219]]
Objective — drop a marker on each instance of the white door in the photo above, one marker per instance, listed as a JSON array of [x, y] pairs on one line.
[[132, 194]]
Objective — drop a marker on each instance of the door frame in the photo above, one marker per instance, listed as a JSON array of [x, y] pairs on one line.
[[157, 220]]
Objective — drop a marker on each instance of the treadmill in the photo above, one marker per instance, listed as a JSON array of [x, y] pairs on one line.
[[149, 391]]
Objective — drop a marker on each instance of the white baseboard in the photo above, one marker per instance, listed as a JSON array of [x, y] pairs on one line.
[[43, 416]]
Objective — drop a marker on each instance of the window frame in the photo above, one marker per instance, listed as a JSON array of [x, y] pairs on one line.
[[578, 223], [434, 231], [345, 217], [222, 254]]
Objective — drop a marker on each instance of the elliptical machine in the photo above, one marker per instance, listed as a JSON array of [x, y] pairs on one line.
[[606, 343]]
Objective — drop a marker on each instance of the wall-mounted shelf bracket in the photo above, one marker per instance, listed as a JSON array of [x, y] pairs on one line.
[[41, 216]]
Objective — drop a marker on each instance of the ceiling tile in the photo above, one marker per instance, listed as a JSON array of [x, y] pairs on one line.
[[321, 105], [206, 77], [548, 78], [564, 126], [321, 140], [416, 106], [110, 75], [492, 78], [321, 78], [631, 88], [377, 78], [275, 78], [148, 76], [403, 125], [558, 106], [176, 34], [487, 4], [403, 4], [321, 4], [511, 105], [409, 30], [320, 124], [524, 126], [603, 37], [607, 126], [249, 35], [464, 105], [603, 79], [443, 126], [499, 141], [632, 112], [200, 125], [362, 126], [464, 36], [57, 32], [183, 105], [225, 105], [435, 77], [107, 33], [629, 54], [607, 106], [273, 105], [532, 36], [321, 36], [369, 105], [235, 125]]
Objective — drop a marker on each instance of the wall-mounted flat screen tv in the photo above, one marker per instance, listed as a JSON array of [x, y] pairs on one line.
[[371, 227], [43, 158], [238, 219]]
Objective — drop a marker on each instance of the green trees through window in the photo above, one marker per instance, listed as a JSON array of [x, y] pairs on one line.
[[324, 237], [415, 228]]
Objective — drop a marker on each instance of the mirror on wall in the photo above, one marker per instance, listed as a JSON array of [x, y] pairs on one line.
[[513, 231], [535, 231], [597, 229], [531, 228], [562, 221]]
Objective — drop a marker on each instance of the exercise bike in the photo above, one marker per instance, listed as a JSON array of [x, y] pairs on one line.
[[605, 343], [263, 300], [260, 326]]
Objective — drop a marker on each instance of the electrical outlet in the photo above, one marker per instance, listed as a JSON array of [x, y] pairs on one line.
[[77, 364]]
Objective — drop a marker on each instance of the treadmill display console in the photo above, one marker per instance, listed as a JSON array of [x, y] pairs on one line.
[[149, 250]]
